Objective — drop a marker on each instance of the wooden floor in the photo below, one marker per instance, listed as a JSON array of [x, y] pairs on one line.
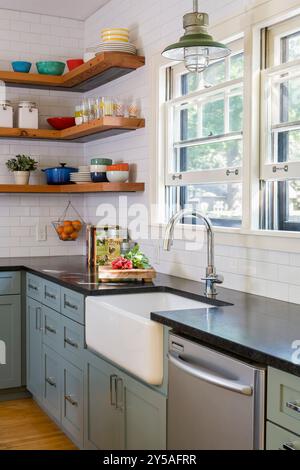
[[24, 426]]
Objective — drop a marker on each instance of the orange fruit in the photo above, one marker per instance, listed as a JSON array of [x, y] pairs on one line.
[[74, 235], [77, 225], [64, 236], [67, 222], [60, 229], [68, 229]]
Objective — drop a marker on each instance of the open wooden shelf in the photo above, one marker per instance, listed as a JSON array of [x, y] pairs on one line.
[[106, 67], [73, 188], [99, 129]]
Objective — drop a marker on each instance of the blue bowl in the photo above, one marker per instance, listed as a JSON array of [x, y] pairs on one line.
[[50, 67], [99, 177], [21, 66]]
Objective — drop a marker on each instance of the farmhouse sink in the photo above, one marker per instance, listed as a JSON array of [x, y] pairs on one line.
[[119, 328]]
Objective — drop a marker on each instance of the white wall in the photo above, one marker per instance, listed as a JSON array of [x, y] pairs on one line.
[[25, 36], [153, 25]]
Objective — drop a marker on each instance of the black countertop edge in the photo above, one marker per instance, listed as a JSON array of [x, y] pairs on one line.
[[224, 345]]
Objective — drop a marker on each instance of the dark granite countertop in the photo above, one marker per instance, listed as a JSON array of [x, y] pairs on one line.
[[255, 328]]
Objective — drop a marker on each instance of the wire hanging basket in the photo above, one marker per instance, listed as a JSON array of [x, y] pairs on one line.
[[69, 225]]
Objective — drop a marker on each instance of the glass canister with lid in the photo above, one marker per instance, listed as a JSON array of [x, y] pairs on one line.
[[28, 115], [6, 114]]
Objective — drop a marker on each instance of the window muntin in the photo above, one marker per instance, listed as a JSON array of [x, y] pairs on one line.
[[205, 138]]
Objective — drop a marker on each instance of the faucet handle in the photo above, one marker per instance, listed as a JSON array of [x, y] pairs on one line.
[[214, 278]]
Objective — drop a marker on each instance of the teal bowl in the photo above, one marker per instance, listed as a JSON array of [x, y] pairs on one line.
[[101, 161], [50, 68]]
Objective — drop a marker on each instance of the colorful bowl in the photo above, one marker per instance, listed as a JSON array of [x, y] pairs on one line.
[[98, 177], [21, 66], [61, 123], [50, 67], [74, 63], [117, 176], [98, 168], [101, 161]]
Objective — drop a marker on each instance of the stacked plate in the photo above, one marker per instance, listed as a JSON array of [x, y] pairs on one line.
[[116, 47], [83, 176]]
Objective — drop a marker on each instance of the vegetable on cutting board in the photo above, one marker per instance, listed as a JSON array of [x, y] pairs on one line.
[[133, 259]]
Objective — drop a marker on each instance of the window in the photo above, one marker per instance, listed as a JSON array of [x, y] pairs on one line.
[[204, 116], [280, 130]]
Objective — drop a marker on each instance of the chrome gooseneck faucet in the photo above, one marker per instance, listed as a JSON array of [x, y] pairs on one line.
[[212, 278]]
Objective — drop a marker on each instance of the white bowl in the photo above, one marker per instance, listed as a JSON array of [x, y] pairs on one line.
[[87, 56], [98, 168], [117, 176]]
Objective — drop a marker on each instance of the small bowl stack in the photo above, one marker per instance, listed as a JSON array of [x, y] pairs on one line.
[[82, 177], [115, 35], [115, 40], [98, 169]]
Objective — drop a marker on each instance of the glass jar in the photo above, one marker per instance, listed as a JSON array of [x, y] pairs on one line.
[[6, 114], [28, 115], [78, 115]]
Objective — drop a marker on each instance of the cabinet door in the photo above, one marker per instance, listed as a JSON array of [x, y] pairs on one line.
[[145, 413], [103, 422], [72, 402], [10, 341], [281, 439], [52, 383], [34, 335]]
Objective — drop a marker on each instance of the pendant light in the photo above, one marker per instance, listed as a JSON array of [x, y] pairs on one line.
[[196, 48]]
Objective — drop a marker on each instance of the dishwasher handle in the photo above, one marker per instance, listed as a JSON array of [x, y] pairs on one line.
[[208, 377]]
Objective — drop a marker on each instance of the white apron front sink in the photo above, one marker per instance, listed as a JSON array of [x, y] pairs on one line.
[[119, 328]]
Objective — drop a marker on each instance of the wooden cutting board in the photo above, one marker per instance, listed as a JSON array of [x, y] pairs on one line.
[[107, 274]]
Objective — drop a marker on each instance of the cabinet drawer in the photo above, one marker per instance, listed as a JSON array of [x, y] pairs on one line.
[[72, 341], [280, 439], [34, 287], [284, 400], [51, 382], [52, 329], [72, 305], [10, 283], [51, 295], [72, 402]]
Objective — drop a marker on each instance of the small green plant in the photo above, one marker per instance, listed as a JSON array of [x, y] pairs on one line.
[[21, 163]]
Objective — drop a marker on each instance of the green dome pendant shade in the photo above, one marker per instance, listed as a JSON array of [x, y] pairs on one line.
[[196, 48]]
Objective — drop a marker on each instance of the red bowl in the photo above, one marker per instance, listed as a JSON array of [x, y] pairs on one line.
[[60, 123], [74, 63]]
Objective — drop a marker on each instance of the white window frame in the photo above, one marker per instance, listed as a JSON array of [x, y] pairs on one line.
[[270, 122], [199, 98]]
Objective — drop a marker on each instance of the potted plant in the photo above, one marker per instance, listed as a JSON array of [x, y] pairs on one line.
[[21, 166]]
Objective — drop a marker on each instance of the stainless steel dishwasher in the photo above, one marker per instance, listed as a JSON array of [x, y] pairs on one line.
[[215, 401]]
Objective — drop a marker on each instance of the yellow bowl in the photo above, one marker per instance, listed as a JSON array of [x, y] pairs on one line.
[[111, 39], [115, 30]]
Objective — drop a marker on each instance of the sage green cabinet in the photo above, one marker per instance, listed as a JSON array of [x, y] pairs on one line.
[[34, 337], [120, 412], [72, 401], [281, 439], [51, 395], [103, 421], [10, 338]]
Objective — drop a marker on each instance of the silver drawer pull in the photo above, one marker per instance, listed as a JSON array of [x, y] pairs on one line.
[[71, 343], [51, 330], [294, 405], [289, 446], [70, 400], [51, 382], [31, 286], [50, 296], [72, 306], [113, 379]]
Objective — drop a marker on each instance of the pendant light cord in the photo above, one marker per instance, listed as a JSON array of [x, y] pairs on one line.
[[195, 6]]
